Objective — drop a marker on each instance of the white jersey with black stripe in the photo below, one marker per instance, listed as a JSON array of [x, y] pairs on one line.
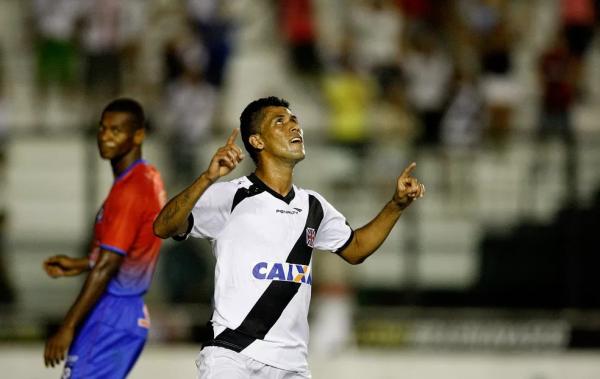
[[263, 245]]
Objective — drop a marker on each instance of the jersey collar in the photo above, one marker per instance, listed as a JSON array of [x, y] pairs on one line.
[[128, 169], [260, 184]]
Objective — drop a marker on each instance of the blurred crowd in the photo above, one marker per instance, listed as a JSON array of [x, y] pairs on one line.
[[429, 75]]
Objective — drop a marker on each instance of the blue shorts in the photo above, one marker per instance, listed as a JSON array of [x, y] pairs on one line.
[[110, 340]]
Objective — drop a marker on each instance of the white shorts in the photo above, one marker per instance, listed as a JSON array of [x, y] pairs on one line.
[[215, 362]]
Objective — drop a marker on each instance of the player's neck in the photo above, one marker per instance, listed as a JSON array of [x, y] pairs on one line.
[[277, 177], [119, 165]]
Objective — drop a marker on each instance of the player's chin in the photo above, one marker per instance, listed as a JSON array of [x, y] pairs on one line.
[[298, 157], [107, 153], [298, 153]]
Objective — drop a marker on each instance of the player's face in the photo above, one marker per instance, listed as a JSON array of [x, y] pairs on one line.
[[281, 134], [116, 135]]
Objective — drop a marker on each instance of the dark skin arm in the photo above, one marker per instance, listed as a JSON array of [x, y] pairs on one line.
[[368, 238], [106, 267], [61, 265]]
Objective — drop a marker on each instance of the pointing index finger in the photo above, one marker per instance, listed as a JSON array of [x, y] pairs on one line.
[[408, 170], [233, 136]]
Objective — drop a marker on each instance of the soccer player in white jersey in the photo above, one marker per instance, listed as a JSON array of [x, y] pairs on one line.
[[263, 229]]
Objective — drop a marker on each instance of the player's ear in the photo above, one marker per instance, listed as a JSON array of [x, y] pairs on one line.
[[256, 141], [139, 135]]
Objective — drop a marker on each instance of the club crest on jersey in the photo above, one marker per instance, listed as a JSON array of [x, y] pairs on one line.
[[286, 272], [310, 237]]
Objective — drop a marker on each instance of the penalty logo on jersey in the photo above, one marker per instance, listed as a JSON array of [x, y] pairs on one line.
[[287, 272]]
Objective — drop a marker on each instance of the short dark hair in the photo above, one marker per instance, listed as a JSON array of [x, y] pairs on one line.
[[251, 116], [129, 106]]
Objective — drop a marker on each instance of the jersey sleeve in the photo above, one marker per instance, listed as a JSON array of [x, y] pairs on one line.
[[212, 211], [122, 217], [334, 233]]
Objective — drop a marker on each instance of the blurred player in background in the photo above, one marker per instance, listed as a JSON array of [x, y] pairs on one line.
[[263, 230], [106, 328]]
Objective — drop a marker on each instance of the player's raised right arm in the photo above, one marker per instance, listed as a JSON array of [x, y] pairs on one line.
[[173, 218]]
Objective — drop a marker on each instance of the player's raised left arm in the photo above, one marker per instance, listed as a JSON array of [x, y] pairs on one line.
[[368, 238], [57, 345]]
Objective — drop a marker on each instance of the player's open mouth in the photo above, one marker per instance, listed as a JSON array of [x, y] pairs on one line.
[[296, 140]]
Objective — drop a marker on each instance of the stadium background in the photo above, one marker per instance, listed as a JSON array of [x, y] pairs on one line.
[[492, 275]]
